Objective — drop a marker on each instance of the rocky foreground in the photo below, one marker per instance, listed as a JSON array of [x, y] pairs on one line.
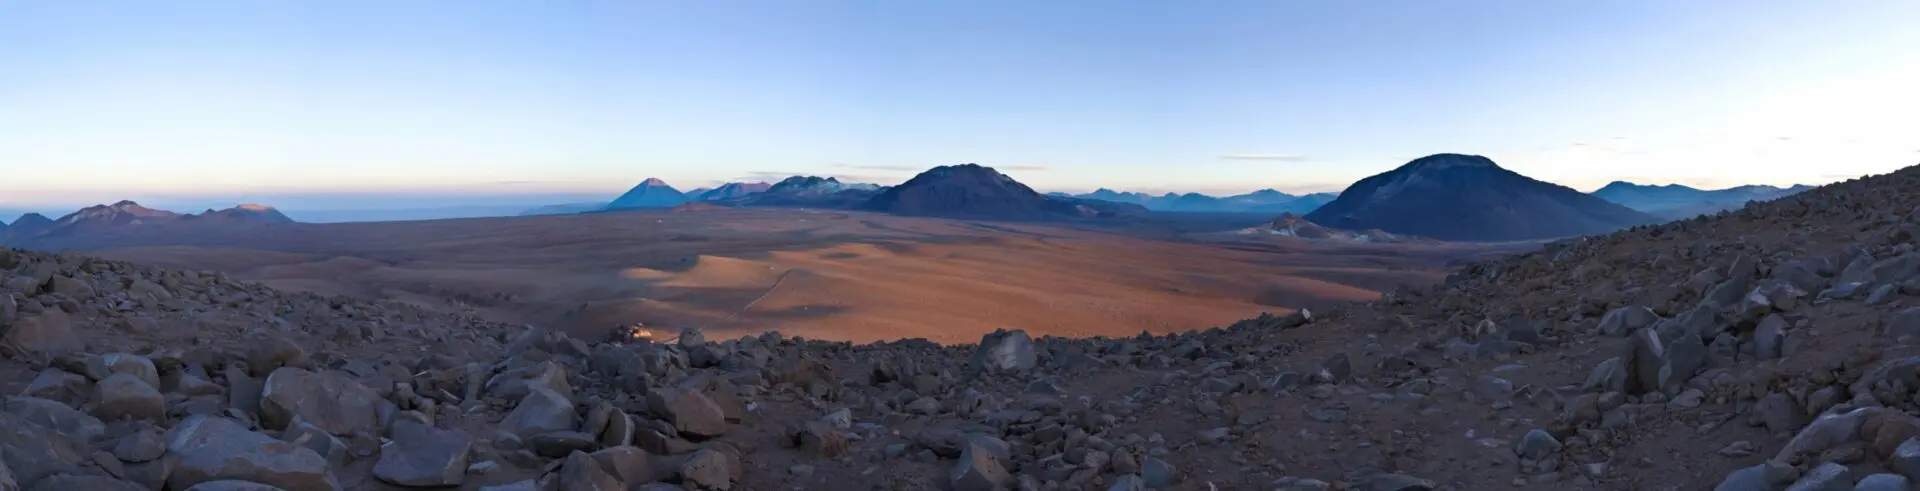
[[1765, 349]]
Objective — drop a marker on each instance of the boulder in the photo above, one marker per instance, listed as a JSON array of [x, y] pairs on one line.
[[124, 396], [1004, 351], [1826, 432], [539, 412], [56, 416], [1827, 477], [1883, 482], [145, 445], [74, 482], [73, 288], [630, 465], [517, 383], [707, 469], [327, 399], [583, 473], [1621, 321], [266, 354], [691, 413], [423, 456], [49, 333], [232, 486], [137, 366], [30, 451], [978, 470], [215, 449], [60, 385], [1769, 337]]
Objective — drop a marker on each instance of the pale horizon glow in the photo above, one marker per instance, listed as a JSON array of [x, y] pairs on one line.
[[504, 101]]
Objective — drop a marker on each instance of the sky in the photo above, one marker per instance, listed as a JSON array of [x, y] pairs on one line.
[[353, 103]]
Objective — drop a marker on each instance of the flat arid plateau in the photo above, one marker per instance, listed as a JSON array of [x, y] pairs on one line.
[[831, 275]]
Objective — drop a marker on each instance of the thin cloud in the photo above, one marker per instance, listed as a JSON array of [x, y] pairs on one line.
[[900, 168], [1271, 157]]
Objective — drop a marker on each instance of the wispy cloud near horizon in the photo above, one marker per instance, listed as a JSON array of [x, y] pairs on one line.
[[1269, 157]]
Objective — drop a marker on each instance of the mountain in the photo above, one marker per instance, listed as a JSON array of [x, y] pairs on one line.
[[26, 226], [243, 213], [1469, 198], [974, 191], [808, 191], [97, 217], [651, 193], [729, 190], [563, 209], [1674, 201], [1265, 200], [1300, 205]]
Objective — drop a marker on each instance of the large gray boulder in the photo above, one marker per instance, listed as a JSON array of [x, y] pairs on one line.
[[423, 456], [49, 332], [79, 426], [31, 451], [214, 449], [539, 412], [1004, 351], [125, 396], [328, 399]]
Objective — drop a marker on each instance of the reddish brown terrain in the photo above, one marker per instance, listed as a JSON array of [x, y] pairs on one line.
[[1763, 349], [821, 274]]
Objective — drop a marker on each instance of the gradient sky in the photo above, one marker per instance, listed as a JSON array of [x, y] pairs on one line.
[[105, 100]]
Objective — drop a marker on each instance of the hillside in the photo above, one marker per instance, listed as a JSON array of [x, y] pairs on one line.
[[1262, 201], [730, 190], [808, 191], [1469, 198]]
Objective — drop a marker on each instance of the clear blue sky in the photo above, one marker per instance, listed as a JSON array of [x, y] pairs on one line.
[[103, 100]]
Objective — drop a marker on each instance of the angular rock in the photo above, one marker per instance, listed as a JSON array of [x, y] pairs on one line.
[[978, 470], [266, 354], [423, 456], [1684, 357], [214, 449], [137, 366], [49, 333], [821, 439], [1537, 445], [1883, 482], [1826, 432], [141, 446], [1646, 361], [1769, 337], [1906, 459], [327, 399], [691, 413], [630, 465], [232, 486], [517, 383], [1004, 351], [123, 396], [582, 473], [318, 440], [559, 444], [80, 426], [1608, 376], [1622, 321], [60, 385], [30, 452], [1827, 477], [71, 482], [541, 411], [707, 469], [1158, 473]]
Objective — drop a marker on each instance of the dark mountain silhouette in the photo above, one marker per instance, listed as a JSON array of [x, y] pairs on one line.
[[242, 214], [1299, 205], [1674, 201], [651, 193], [1469, 198], [808, 191], [730, 190], [27, 225], [974, 191]]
